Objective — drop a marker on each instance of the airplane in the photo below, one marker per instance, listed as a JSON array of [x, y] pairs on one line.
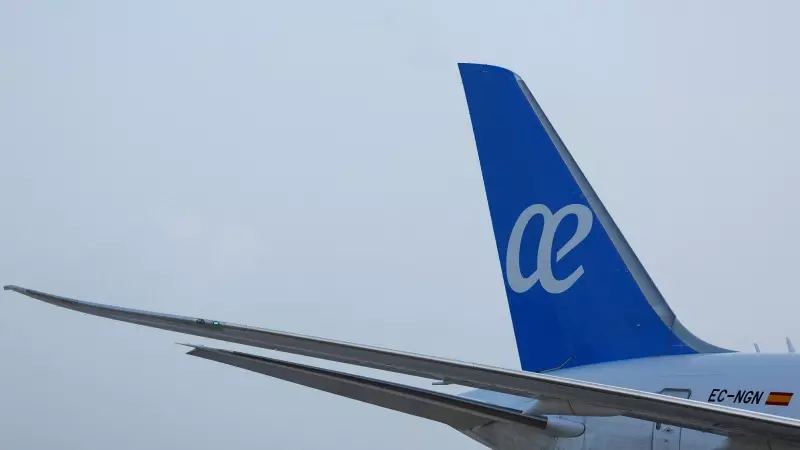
[[605, 363]]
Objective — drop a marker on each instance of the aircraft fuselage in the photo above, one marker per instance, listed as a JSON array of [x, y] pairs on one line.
[[759, 382]]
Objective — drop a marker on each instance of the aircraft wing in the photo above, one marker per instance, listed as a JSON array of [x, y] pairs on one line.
[[460, 413], [638, 404]]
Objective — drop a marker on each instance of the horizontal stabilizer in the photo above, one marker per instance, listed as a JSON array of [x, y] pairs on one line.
[[460, 413]]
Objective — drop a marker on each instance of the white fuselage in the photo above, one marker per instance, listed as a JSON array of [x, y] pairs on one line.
[[739, 380]]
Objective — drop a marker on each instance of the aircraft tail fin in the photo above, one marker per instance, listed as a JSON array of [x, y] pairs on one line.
[[577, 292]]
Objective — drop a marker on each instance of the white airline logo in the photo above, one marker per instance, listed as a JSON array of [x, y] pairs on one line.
[[544, 270]]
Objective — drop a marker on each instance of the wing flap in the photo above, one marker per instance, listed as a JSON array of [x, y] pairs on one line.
[[642, 405]]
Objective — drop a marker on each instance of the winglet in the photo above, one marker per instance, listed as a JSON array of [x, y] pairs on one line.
[[789, 345]]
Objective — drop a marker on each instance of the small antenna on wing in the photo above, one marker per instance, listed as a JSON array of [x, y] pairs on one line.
[[789, 345], [758, 350]]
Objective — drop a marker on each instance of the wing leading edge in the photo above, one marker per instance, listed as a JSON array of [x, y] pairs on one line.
[[637, 404]]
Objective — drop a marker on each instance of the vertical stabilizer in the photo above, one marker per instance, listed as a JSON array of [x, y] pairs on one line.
[[577, 292]]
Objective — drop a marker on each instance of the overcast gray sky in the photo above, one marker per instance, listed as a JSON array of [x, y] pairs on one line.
[[310, 167]]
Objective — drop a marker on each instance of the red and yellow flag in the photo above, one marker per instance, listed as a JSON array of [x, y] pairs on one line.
[[779, 398]]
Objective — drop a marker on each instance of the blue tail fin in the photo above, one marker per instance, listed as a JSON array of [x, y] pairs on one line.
[[577, 293]]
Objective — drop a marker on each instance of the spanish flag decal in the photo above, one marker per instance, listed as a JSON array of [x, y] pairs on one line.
[[779, 398]]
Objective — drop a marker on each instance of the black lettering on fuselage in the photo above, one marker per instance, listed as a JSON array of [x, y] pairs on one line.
[[741, 396]]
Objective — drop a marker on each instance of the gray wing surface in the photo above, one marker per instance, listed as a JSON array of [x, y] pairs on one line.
[[637, 404]]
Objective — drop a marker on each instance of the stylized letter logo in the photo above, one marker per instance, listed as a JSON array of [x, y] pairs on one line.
[[544, 270]]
